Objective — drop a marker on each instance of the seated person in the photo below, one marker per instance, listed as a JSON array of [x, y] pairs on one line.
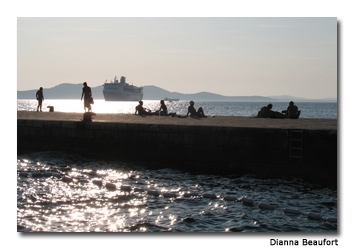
[[193, 112], [163, 109], [143, 111], [267, 112], [292, 111]]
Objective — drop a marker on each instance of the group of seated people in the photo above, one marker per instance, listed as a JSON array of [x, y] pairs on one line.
[[291, 112], [140, 110], [192, 112]]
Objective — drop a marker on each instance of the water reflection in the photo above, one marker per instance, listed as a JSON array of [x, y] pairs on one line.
[[67, 193], [248, 109]]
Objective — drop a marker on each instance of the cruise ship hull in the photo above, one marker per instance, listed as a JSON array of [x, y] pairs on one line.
[[117, 96], [121, 91]]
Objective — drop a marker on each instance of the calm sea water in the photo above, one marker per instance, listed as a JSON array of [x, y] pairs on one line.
[[308, 109], [63, 192]]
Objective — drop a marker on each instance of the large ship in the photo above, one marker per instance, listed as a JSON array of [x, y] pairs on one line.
[[121, 91]]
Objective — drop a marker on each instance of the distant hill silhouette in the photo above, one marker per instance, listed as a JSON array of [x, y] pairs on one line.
[[62, 91], [153, 92], [73, 91]]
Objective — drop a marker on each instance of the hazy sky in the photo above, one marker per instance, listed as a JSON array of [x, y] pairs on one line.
[[229, 56]]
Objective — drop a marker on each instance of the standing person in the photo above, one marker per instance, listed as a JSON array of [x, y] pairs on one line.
[[40, 98], [292, 111], [87, 95], [193, 112]]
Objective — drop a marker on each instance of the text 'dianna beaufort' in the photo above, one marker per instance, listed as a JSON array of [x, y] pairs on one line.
[[304, 242]]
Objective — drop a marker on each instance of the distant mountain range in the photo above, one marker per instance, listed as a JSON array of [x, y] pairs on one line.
[[73, 91]]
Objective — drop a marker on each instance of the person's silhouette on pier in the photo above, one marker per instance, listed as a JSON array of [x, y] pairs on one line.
[[292, 111], [163, 110], [87, 95], [140, 110], [40, 98], [267, 112], [193, 112]]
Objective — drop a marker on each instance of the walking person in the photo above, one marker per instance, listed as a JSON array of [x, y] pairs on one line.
[[40, 98], [87, 95]]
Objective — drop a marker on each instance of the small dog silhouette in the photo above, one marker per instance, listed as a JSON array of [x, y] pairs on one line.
[[51, 108]]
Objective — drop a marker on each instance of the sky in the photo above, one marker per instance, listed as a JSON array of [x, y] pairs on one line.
[[231, 56]]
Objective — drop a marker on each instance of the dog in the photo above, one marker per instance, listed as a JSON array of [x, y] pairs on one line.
[[51, 108]]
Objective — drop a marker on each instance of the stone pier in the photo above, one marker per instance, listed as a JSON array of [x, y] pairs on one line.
[[303, 148]]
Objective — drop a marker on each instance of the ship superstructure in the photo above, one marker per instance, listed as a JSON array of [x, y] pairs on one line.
[[121, 91]]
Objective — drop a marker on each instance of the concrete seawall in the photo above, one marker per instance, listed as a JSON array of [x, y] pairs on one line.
[[226, 145]]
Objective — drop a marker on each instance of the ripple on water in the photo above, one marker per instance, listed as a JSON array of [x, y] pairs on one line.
[[61, 192]]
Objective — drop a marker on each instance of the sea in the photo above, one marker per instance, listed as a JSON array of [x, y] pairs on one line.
[[70, 193], [249, 109]]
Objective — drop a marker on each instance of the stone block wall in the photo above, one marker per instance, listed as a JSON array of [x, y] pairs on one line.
[[220, 149]]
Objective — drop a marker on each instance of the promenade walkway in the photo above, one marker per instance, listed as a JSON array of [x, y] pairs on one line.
[[222, 121]]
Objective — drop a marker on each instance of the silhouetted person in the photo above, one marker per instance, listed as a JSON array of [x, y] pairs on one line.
[[193, 112], [163, 110], [267, 112], [292, 111], [40, 98], [87, 95], [140, 110]]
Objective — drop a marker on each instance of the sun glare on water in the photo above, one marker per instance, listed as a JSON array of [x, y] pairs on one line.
[[100, 106]]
